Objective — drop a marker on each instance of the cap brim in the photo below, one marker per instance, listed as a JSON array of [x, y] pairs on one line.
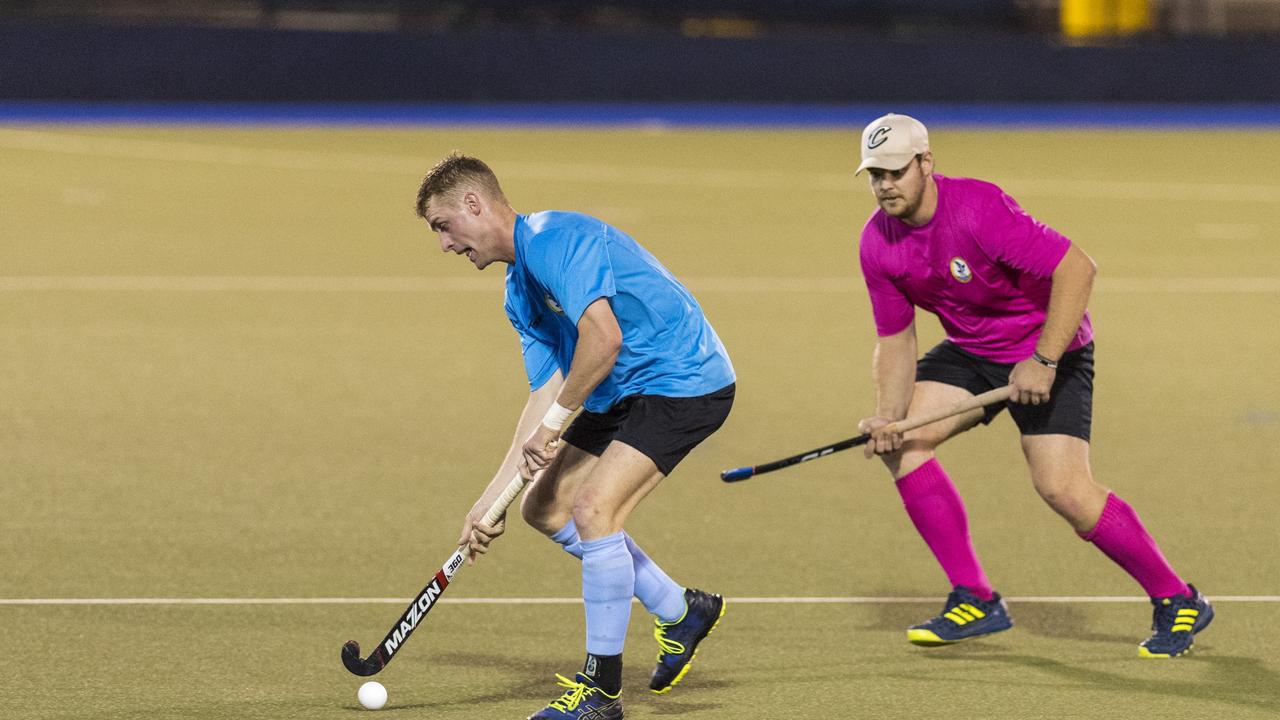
[[886, 162]]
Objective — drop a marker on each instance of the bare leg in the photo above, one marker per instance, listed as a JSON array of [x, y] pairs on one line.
[[918, 445], [548, 503], [1060, 472], [621, 478]]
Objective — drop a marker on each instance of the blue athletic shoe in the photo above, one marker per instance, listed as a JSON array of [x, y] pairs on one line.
[[1176, 620], [678, 641], [964, 617], [581, 700]]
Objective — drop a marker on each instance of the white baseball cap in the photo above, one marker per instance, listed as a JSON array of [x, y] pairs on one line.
[[890, 142]]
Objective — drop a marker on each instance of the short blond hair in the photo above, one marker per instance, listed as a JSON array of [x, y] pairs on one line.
[[454, 175]]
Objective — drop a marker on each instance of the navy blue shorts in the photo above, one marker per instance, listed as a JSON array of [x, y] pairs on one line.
[[664, 429], [1070, 407]]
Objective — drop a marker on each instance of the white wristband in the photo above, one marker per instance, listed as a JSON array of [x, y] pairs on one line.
[[556, 416]]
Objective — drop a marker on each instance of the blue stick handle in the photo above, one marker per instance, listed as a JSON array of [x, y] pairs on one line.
[[737, 474]]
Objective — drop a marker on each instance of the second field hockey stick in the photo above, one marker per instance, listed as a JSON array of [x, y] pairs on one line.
[[911, 423], [425, 600]]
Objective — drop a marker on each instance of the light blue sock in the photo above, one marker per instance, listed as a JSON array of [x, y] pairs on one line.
[[567, 537], [608, 582], [659, 594]]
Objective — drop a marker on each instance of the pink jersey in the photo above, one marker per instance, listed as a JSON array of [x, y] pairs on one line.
[[982, 265]]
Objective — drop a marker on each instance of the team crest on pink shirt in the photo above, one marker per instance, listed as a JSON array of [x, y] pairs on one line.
[[960, 270]]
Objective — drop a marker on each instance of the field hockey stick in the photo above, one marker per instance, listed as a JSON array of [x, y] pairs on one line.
[[902, 426], [426, 599]]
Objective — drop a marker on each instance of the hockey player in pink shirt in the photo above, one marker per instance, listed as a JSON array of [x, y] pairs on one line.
[[1012, 295]]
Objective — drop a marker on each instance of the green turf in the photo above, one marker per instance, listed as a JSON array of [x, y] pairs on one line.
[[317, 443]]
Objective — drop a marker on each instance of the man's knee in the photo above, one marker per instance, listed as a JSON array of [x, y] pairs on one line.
[[1054, 491], [539, 511], [589, 516], [546, 506], [911, 455], [1073, 495]]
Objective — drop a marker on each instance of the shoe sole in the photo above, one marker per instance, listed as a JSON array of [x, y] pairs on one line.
[[1145, 653], [685, 670], [928, 638]]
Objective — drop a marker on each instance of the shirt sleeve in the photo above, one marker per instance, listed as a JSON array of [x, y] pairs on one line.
[[890, 307], [1010, 236], [540, 361], [575, 269]]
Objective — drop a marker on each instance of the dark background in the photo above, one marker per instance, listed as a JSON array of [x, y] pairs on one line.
[[668, 51]]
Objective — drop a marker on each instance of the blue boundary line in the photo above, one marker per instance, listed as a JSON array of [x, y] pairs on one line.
[[1266, 116]]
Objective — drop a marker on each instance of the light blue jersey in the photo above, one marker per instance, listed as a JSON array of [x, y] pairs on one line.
[[566, 261]]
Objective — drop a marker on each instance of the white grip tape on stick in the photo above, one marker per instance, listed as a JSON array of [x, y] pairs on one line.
[[504, 500], [508, 496]]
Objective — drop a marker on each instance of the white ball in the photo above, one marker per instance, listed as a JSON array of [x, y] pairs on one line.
[[372, 695]]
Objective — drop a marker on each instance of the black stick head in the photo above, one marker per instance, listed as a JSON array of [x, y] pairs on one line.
[[357, 665]]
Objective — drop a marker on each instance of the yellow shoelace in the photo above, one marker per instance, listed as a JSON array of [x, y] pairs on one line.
[[576, 691], [665, 646]]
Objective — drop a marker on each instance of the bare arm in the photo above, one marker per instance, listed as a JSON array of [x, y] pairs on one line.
[[599, 342], [534, 408], [1068, 299], [893, 366]]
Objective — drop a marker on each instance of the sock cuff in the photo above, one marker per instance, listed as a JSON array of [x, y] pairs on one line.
[[566, 535], [608, 542], [923, 478], [1110, 509], [637, 555]]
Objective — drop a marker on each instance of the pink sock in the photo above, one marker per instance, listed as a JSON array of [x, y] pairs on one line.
[[938, 513], [1120, 536]]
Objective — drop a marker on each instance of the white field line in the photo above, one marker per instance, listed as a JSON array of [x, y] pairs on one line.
[[748, 285], [890, 600], [68, 143]]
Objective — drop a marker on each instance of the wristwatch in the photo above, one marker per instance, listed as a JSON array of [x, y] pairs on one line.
[[1051, 364]]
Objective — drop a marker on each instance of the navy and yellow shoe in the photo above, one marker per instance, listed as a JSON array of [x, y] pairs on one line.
[[582, 700], [678, 641], [1176, 620], [964, 617]]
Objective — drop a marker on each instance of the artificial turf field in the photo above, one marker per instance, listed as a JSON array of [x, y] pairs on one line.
[[233, 365]]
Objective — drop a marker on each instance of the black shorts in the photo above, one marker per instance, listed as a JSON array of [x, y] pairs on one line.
[[664, 428], [1070, 407]]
